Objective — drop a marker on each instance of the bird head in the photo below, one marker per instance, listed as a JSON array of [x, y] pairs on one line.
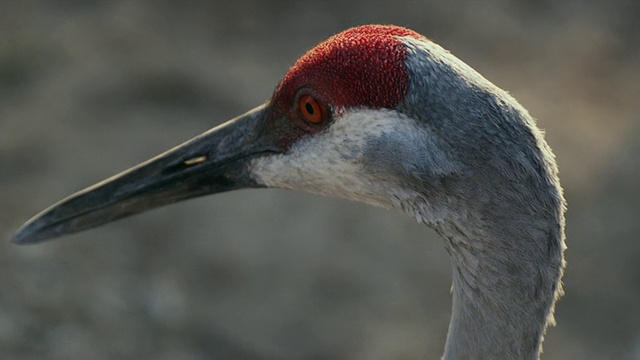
[[378, 114]]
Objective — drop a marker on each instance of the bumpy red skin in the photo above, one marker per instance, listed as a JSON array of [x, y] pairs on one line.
[[359, 67]]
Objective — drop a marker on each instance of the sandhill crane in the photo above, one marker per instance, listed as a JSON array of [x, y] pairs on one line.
[[382, 115]]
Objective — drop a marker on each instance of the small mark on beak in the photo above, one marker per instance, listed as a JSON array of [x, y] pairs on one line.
[[195, 161]]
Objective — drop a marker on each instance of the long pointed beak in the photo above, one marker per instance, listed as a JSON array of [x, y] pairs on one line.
[[212, 162]]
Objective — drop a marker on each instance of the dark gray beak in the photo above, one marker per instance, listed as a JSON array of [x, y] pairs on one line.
[[212, 162]]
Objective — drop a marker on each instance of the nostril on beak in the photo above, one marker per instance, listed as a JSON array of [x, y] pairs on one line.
[[184, 164], [195, 160]]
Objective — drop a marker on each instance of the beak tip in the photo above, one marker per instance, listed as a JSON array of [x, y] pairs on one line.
[[19, 238], [22, 237], [29, 234]]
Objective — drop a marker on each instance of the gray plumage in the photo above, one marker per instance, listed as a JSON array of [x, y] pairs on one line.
[[457, 153], [506, 237]]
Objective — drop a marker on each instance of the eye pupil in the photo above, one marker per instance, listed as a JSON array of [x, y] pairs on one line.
[[309, 108]]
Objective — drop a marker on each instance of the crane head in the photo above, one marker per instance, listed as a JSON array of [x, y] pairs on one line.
[[377, 114]]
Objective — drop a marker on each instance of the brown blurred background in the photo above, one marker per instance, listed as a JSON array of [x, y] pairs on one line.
[[89, 88]]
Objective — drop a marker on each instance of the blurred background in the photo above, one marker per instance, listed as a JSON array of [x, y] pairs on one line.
[[90, 88]]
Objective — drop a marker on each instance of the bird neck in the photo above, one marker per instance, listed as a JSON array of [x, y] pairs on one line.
[[479, 331], [503, 297]]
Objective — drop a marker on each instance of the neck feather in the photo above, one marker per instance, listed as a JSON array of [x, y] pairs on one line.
[[503, 298], [497, 202]]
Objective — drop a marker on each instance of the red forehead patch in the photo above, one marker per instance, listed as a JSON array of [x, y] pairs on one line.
[[361, 66]]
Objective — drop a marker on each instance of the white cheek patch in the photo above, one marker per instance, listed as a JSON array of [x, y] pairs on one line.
[[330, 163]]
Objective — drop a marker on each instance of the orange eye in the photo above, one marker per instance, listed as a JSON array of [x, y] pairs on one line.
[[310, 109]]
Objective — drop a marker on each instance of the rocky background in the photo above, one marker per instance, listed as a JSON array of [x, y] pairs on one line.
[[89, 88]]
